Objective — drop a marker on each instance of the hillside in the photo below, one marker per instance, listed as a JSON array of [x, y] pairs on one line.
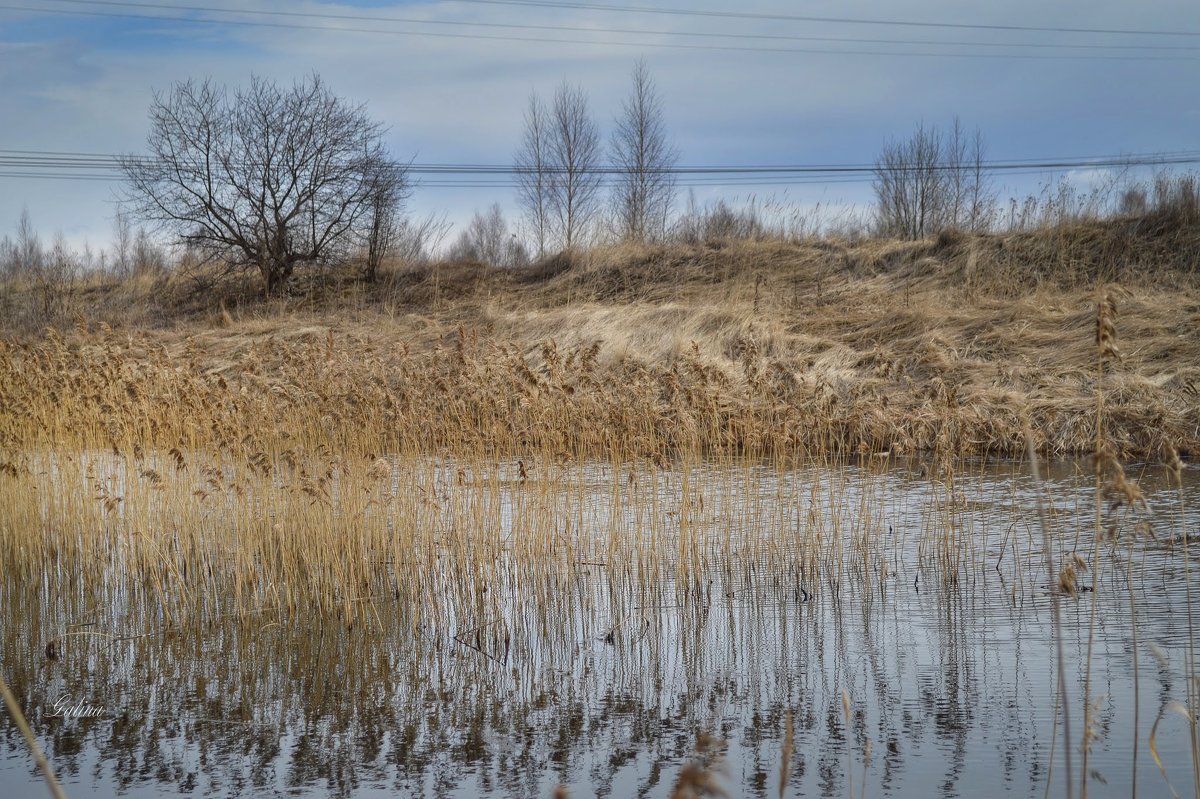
[[762, 348]]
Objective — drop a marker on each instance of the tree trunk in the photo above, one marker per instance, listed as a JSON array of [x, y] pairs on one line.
[[275, 276]]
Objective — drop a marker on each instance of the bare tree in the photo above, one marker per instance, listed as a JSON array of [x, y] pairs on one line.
[[387, 189], [575, 162], [955, 175], [148, 256], [558, 169], [645, 185], [51, 273], [54, 278], [122, 260], [266, 177], [417, 240], [534, 176], [30, 254], [909, 187], [930, 182], [487, 239], [980, 196], [970, 204], [8, 257]]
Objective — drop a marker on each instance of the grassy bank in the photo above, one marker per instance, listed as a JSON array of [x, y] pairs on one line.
[[749, 348]]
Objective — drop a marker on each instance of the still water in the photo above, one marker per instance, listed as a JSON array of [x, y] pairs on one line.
[[914, 656]]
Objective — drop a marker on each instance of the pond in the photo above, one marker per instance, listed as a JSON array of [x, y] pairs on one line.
[[876, 628]]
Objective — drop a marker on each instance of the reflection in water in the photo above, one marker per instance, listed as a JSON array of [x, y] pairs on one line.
[[599, 671]]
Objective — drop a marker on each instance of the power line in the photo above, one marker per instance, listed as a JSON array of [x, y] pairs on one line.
[[102, 167], [688, 12], [59, 158], [593, 42], [622, 31]]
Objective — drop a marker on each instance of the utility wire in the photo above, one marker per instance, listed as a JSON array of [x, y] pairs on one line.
[[621, 31], [595, 42], [100, 167], [50, 159], [690, 12]]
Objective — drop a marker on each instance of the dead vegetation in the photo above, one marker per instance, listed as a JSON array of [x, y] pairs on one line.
[[756, 348]]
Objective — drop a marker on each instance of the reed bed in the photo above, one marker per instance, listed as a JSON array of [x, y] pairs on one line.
[[580, 608], [197, 537], [758, 349], [673, 445], [465, 392]]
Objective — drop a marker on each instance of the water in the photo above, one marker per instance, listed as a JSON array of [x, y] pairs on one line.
[[914, 654]]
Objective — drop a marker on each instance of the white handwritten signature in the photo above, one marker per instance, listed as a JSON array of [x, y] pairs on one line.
[[65, 708]]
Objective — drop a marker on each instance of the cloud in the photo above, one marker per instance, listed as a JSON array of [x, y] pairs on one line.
[[84, 84]]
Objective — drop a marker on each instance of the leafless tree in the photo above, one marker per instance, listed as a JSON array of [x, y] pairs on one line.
[[558, 169], [149, 257], [970, 203], [30, 254], [266, 177], [122, 258], [534, 176], [50, 272], [17, 255], [487, 239], [418, 239], [645, 185], [909, 187], [955, 176], [933, 181], [387, 189], [575, 165], [54, 277], [8, 257]]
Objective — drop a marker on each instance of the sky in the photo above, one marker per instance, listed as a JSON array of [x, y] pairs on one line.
[[756, 83]]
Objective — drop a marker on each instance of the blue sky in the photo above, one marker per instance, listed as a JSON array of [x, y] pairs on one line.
[[81, 81]]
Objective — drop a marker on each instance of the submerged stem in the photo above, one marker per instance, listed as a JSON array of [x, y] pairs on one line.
[[15, 710], [1048, 551]]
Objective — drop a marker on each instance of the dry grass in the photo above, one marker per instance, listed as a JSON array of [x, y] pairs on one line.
[[753, 348]]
